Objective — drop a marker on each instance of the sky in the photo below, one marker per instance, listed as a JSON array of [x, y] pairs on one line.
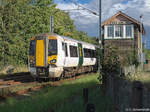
[[88, 22]]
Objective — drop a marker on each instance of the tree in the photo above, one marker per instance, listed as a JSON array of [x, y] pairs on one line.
[[22, 19]]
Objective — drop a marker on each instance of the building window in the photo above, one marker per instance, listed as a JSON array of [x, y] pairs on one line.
[[110, 31], [129, 31], [73, 51], [119, 31]]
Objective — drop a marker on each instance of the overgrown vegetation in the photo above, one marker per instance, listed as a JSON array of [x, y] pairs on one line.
[[115, 59], [22, 19], [59, 98], [111, 63]]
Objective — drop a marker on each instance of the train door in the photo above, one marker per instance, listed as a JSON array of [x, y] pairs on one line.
[[80, 54], [66, 54], [41, 53]]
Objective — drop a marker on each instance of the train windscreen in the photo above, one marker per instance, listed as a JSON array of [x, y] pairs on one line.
[[32, 47], [52, 47]]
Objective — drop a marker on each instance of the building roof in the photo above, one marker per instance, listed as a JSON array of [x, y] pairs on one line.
[[127, 17]]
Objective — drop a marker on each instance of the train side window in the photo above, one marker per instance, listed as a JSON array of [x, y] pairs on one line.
[[73, 51], [90, 53], [63, 46], [84, 50], [93, 54], [87, 53], [66, 50]]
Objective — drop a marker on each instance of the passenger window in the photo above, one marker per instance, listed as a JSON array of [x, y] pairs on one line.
[[73, 51], [89, 53], [66, 50], [63, 46]]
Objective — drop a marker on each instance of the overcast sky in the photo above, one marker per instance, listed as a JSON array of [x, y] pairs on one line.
[[88, 22]]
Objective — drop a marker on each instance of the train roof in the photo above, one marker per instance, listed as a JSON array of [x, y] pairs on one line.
[[68, 38]]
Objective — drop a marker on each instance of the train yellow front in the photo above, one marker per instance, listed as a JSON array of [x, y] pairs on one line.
[[56, 56]]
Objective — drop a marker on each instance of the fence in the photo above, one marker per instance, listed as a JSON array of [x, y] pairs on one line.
[[127, 95]]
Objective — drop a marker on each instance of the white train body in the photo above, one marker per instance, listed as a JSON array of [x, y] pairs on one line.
[[70, 56]]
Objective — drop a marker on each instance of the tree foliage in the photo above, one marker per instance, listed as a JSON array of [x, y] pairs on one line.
[[22, 19]]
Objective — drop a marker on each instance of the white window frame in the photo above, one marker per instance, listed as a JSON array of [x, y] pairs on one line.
[[115, 32], [132, 31], [124, 32]]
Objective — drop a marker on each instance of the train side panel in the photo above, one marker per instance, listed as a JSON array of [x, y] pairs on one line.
[[88, 60]]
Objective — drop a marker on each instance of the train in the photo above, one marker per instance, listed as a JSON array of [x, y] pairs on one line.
[[56, 56]]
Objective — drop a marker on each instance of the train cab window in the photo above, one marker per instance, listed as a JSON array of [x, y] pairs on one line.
[[32, 47], [52, 47], [66, 50], [73, 51]]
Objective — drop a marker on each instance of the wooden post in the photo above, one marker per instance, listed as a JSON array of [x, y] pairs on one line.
[[85, 95], [137, 94], [90, 107]]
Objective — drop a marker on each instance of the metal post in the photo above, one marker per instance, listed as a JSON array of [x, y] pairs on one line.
[[142, 63], [85, 95], [100, 39], [51, 24]]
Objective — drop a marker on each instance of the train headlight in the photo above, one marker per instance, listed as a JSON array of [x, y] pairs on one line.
[[31, 61], [53, 61]]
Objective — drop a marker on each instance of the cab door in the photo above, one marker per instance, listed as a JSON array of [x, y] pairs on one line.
[[40, 53]]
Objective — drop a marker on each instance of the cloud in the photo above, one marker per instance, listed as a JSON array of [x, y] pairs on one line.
[[88, 22], [84, 20]]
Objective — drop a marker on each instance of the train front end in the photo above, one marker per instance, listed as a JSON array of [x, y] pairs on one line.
[[43, 56]]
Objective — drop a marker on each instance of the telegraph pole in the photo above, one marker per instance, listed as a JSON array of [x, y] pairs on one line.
[[52, 24], [142, 56], [100, 41]]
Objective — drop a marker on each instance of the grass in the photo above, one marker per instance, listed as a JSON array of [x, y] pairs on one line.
[[21, 69], [17, 69], [58, 98], [143, 77], [76, 103]]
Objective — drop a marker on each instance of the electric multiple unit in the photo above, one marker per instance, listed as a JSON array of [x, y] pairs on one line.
[[54, 56]]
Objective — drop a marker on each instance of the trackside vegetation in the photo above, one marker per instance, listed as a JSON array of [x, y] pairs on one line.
[[66, 97]]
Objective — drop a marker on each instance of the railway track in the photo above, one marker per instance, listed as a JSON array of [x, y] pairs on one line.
[[10, 81], [26, 83]]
